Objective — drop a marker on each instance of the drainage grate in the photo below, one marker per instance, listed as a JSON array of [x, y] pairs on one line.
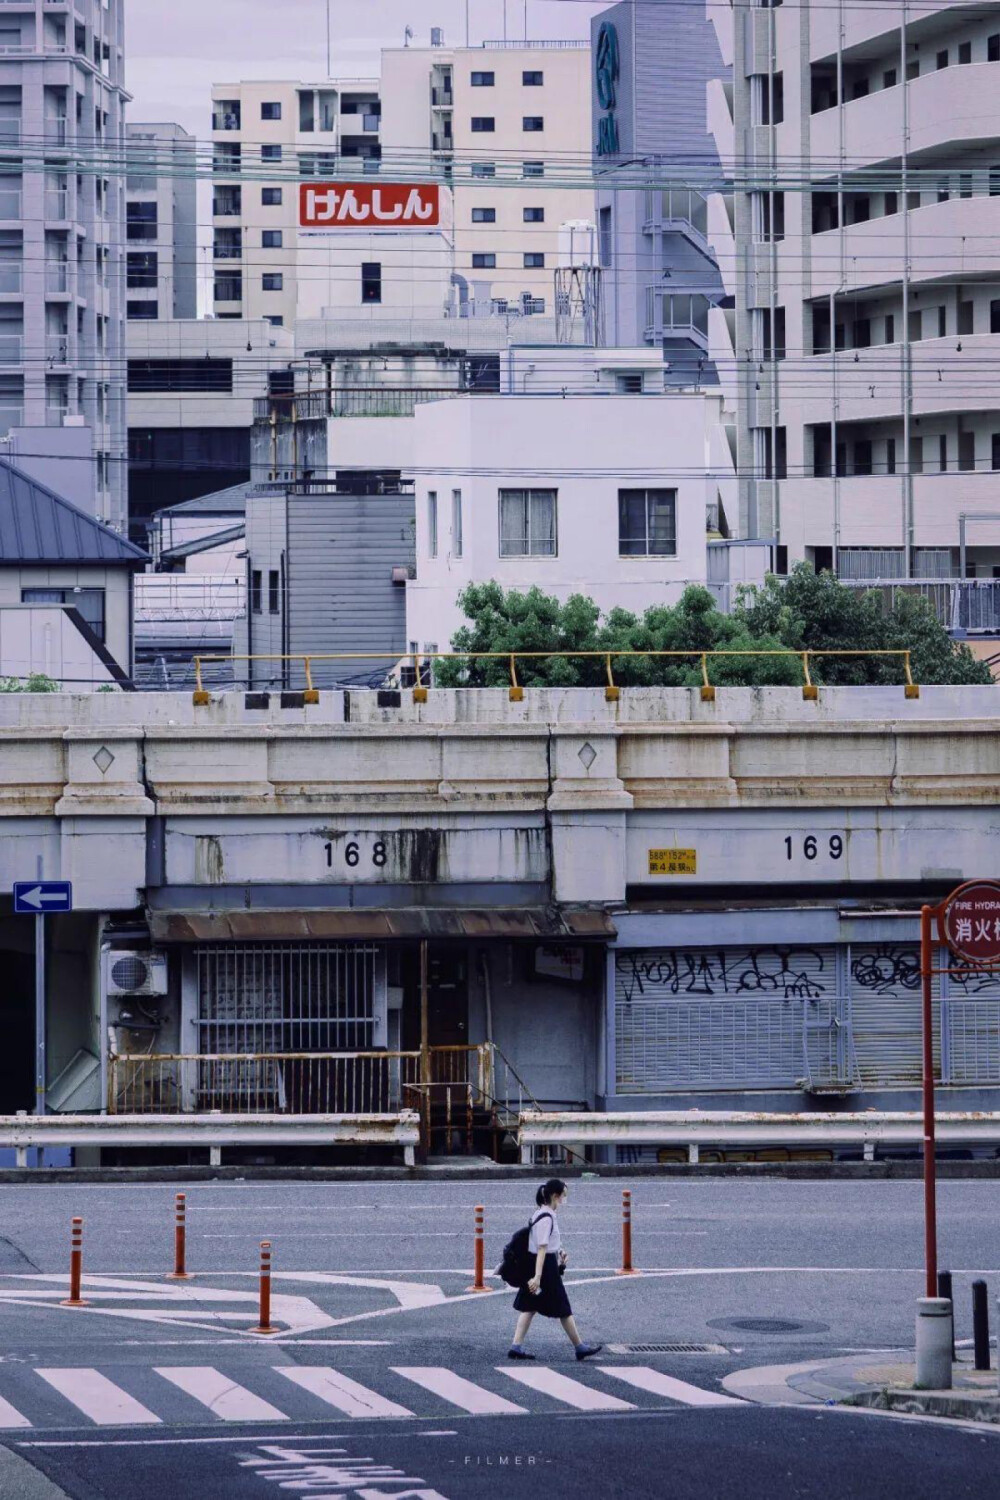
[[667, 1349]]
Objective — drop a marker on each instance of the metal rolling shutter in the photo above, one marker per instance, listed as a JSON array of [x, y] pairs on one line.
[[884, 983], [973, 1028], [727, 1018]]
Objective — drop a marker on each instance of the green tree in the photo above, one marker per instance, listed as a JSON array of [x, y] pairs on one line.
[[785, 616], [36, 683]]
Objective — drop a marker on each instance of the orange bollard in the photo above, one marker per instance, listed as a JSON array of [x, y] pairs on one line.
[[75, 1265], [265, 1325], [180, 1273], [479, 1284], [627, 1268]]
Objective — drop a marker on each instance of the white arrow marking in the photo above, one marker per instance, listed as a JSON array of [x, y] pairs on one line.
[[37, 898]]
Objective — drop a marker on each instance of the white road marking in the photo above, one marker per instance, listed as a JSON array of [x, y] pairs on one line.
[[341, 1391], [231, 1402], [460, 1392], [646, 1379], [551, 1383], [406, 1293], [98, 1397], [10, 1417]]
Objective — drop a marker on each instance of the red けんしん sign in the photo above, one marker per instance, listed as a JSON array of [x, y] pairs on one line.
[[969, 922]]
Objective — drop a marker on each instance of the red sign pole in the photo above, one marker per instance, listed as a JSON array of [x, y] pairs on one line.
[[930, 1180]]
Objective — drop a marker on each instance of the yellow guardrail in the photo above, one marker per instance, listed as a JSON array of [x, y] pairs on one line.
[[516, 690]]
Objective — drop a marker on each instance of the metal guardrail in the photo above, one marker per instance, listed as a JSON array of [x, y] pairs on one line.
[[421, 678], [693, 1128], [212, 1131]]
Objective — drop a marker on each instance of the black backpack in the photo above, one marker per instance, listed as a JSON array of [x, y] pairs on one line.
[[518, 1264]]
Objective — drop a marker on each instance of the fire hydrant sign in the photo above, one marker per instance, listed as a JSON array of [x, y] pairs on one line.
[[970, 922], [367, 205]]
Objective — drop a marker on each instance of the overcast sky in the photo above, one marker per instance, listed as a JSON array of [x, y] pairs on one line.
[[176, 49]]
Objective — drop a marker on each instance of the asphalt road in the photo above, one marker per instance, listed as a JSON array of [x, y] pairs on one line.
[[160, 1389]]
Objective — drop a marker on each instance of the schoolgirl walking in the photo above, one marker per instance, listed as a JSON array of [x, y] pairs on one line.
[[543, 1291]]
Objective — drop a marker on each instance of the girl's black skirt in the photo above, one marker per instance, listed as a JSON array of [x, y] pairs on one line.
[[552, 1301]]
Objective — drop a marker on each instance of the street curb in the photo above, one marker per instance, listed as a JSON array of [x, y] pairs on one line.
[[878, 1171], [967, 1407]]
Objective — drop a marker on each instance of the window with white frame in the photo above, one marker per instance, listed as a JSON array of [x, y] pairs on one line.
[[528, 523], [647, 523], [432, 523], [456, 523]]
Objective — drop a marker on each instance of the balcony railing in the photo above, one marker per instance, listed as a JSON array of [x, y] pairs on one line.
[[225, 119], [11, 348], [57, 277], [181, 596], [10, 204], [10, 416], [677, 205], [228, 252], [57, 348], [11, 277], [54, 415], [56, 132]]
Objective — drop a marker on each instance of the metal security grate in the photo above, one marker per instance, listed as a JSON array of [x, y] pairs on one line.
[[667, 1349]]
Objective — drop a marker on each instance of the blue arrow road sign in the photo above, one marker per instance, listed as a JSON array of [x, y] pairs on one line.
[[35, 897]]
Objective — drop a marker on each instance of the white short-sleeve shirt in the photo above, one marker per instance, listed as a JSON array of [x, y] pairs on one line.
[[544, 1231]]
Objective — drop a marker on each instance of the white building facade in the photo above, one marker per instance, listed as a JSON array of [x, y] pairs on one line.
[[62, 282], [162, 223], [266, 137], [586, 481], [508, 124], [868, 302]]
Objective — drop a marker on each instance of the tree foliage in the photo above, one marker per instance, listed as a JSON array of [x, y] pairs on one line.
[[802, 612]]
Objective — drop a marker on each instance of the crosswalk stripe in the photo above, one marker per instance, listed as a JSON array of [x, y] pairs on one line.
[[341, 1391], [459, 1391], [231, 1402], [658, 1384], [10, 1416], [98, 1397], [551, 1383]]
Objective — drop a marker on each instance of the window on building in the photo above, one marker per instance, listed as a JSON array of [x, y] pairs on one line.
[[993, 48], [916, 455], [270, 153], [943, 452], [605, 236], [532, 169], [456, 523], [140, 221], [528, 523], [256, 591], [773, 100], [88, 603], [890, 455], [942, 59], [942, 322], [272, 239], [891, 204], [483, 80], [889, 78], [628, 382], [534, 260], [533, 215], [432, 523], [273, 592], [270, 197], [914, 200], [964, 53], [138, 312], [862, 333], [531, 78], [273, 281], [966, 451], [533, 123], [779, 216], [371, 281], [965, 317], [142, 268], [189, 376], [484, 169], [863, 456], [647, 523], [995, 450], [913, 68], [275, 320], [270, 110], [915, 325], [890, 328], [483, 261], [484, 216], [483, 124], [859, 88]]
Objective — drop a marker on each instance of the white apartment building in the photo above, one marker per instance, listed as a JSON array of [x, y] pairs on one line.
[[867, 326], [161, 212], [62, 222], [267, 137], [508, 124], [582, 477]]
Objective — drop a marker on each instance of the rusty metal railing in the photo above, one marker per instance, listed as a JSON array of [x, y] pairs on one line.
[[420, 659]]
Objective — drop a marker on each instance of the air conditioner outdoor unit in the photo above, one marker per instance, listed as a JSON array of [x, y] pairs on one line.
[[137, 973]]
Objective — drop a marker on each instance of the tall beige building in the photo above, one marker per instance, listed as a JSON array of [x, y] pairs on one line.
[[508, 124]]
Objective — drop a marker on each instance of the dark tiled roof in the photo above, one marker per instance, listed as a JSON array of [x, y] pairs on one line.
[[231, 501], [39, 526]]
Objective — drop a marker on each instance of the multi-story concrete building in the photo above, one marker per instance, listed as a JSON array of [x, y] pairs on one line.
[[867, 281], [62, 219], [161, 209], [508, 124], [266, 138], [654, 159]]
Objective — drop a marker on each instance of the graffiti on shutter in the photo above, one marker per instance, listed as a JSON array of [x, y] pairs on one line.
[[725, 1018], [886, 1013]]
